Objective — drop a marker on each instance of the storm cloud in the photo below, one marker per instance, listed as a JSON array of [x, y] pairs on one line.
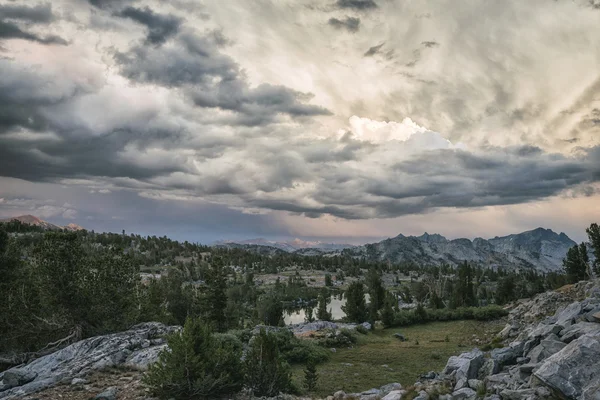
[[375, 112], [351, 24]]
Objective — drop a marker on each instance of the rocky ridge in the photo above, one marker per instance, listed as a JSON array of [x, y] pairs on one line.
[[136, 349], [540, 249], [552, 351]]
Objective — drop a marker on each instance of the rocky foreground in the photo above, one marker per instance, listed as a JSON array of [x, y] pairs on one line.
[[550, 349]]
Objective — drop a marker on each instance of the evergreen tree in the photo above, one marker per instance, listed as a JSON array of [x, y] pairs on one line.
[[355, 307], [576, 263], [328, 281], [310, 375], [375, 289], [506, 290], [215, 295], [594, 236], [322, 313], [270, 310], [387, 314], [267, 373], [308, 314], [197, 365]]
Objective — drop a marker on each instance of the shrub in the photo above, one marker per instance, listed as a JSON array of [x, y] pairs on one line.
[[197, 365], [422, 315], [338, 338], [311, 376], [362, 330]]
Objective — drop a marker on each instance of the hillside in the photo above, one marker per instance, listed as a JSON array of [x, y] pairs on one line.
[[38, 222], [541, 249]]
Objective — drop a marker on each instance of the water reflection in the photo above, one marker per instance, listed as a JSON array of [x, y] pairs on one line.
[[334, 307]]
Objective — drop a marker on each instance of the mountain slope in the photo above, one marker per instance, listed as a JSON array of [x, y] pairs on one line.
[[541, 249], [289, 246], [35, 221]]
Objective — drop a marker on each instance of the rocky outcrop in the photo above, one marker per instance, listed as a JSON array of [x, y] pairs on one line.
[[135, 348], [554, 353]]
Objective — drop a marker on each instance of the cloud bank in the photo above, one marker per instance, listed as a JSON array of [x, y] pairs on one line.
[[382, 109]]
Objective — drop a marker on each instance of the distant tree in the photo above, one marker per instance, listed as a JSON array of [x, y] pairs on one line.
[[506, 290], [308, 314], [576, 263], [435, 301], [322, 313], [387, 313], [594, 236], [328, 281], [270, 310], [355, 307]]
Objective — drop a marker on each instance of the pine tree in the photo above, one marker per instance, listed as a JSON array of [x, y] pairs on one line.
[[267, 373], [576, 263], [328, 281], [322, 313], [594, 236], [387, 314], [215, 295], [311, 375], [198, 365], [355, 307]]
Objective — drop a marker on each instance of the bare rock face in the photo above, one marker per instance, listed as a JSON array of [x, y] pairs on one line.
[[135, 348], [574, 372]]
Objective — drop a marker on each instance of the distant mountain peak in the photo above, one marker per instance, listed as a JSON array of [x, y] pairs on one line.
[[540, 249], [33, 220]]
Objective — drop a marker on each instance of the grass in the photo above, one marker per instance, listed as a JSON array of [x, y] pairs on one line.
[[379, 358]]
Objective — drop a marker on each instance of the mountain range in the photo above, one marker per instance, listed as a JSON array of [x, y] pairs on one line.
[[289, 246], [32, 220], [540, 249]]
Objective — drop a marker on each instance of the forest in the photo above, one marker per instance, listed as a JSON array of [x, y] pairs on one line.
[[59, 287]]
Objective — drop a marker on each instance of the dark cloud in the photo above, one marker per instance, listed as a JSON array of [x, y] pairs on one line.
[[360, 5], [430, 44], [10, 30], [351, 24], [214, 80], [41, 13], [190, 60], [373, 50], [109, 4], [160, 27]]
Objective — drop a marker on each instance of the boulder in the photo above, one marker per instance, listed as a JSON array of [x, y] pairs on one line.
[[545, 349], [86, 356], [390, 387], [422, 396], [504, 356], [521, 394], [464, 394], [465, 366], [489, 367], [566, 317], [17, 377], [475, 383], [571, 333], [339, 395], [394, 395], [108, 394], [400, 337], [573, 371]]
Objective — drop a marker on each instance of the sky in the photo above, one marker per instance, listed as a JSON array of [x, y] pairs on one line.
[[345, 121]]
